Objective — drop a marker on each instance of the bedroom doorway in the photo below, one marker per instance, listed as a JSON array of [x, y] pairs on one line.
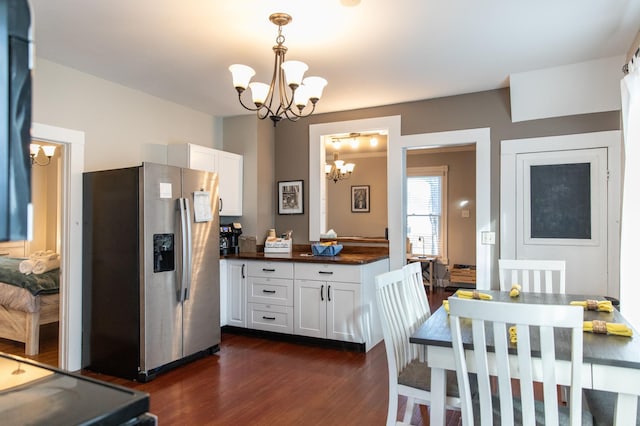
[[46, 196]]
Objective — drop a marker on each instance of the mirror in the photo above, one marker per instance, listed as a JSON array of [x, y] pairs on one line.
[[356, 201]]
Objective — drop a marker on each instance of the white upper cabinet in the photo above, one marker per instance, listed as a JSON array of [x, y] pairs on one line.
[[230, 172], [228, 166]]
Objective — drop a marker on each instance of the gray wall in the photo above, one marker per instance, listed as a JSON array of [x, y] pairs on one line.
[[370, 171], [475, 110], [254, 140]]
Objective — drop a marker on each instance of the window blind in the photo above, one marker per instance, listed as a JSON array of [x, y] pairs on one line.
[[424, 214]]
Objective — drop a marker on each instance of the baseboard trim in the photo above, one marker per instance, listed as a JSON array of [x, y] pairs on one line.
[[292, 338]]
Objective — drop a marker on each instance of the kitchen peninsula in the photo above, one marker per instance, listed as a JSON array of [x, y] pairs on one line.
[[329, 300]]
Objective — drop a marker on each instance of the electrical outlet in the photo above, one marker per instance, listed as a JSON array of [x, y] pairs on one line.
[[488, 237], [465, 213]]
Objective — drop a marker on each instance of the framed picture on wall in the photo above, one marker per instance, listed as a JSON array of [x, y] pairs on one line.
[[291, 197], [360, 199]]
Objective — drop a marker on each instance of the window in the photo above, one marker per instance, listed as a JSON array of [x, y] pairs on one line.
[[426, 210]]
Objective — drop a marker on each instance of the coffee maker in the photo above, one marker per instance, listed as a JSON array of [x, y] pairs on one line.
[[229, 238]]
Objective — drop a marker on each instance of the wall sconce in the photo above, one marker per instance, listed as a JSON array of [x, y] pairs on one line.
[[35, 149]]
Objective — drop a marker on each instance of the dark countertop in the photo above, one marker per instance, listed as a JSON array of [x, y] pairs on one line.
[[348, 256]]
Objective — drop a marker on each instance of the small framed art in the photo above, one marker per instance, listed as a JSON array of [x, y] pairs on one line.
[[360, 199], [291, 197]]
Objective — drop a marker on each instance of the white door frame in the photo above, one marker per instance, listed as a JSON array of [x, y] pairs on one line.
[[612, 140], [397, 192], [70, 329]]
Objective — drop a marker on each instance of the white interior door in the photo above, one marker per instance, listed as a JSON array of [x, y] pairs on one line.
[[561, 213]]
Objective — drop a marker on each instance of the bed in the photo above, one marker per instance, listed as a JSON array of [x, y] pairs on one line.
[[26, 303]]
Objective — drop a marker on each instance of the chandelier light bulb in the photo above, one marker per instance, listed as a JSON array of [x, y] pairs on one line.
[[373, 141], [259, 92], [34, 148], [315, 86], [294, 71], [241, 75], [49, 150], [301, 97]]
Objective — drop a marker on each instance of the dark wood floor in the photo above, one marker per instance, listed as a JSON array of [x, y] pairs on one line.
[[257, 381]]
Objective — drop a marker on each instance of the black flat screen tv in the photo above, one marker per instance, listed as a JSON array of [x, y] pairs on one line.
[[15, 120]]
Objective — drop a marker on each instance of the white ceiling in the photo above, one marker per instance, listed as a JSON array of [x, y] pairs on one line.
[[376, 52]]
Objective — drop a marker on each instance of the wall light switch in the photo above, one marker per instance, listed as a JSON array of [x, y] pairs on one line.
[[465, 213], [488, 237]]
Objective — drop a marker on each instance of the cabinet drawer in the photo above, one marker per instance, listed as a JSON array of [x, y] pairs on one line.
[[328, 272], [271, 269], [275, 291], [271, 317]]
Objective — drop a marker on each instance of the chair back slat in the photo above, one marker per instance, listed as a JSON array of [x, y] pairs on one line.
[[536, 345], [540, 276]]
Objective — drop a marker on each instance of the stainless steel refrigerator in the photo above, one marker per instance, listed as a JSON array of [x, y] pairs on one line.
[[151, 293]]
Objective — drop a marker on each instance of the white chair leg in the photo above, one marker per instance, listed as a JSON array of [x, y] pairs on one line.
[[392, 411]]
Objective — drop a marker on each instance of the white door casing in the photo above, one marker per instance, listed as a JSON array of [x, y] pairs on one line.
[[591, 259], [70, 330]]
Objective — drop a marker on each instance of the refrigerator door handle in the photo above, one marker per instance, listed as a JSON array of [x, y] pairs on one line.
[[183, 260], [189, 259]]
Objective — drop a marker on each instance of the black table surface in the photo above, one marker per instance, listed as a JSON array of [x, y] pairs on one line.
[[597, 348], [57, 397]]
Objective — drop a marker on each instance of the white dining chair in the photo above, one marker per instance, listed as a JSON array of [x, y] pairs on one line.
[[418, 296], [539, 276], [490, 356], [409, 375]]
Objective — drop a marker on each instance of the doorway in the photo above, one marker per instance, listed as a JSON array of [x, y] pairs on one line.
[[70, 329], [397, 193]]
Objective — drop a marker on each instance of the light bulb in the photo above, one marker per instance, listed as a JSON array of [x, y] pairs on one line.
[[241, 75]]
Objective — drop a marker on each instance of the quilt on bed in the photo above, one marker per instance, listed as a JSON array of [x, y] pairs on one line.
[[36, 284]]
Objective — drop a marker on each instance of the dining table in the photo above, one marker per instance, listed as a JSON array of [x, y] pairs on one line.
[[610, 363]]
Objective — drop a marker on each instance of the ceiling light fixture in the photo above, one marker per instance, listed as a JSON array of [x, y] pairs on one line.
[[291, 102], [338, 170], [34, 151]]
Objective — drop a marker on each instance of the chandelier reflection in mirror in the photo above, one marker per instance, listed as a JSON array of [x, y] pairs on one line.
[[34, 151], [291, 102], [339, 170]]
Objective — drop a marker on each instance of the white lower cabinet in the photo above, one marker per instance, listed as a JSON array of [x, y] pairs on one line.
[[237, 293], [321, 300], [327, 309], [270, 296]]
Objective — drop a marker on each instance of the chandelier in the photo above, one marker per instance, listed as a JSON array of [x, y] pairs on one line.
[[34, 151], [338, 170], [291, 102]]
